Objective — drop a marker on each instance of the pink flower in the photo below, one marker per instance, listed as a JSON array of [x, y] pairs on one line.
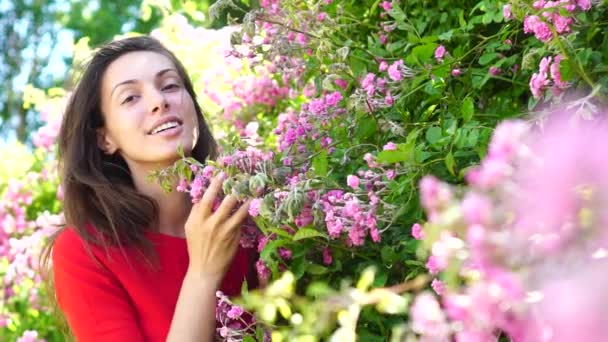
[[383, 66], [538, 83], [428, 319], [417, 231], [440, 53], [476, 208], [562, 24], [254, 207], [262, 269], [327, 258], [394, 72], [182, 186], [541, 29], [506, 11], [390, 146], [386, 5], [352, 181], [321, 16], [431, 265], [494, 71], [285, 253], [585, 5], [235, 312], [388, 99], [456, 72], [556, 74], [383, 38], [390, 174], [341, 83], [438, 286]]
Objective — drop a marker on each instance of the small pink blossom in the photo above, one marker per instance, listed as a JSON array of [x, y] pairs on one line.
[[386, 5], [440, 53], [438, 286], [390, 146], [341, 83], [352, 181], [262, 269], [506, 11], [456, 72], [254, 207], [383, 66], [235, 312], [494, 71], [585, 5], [417, 231], [394, 72]]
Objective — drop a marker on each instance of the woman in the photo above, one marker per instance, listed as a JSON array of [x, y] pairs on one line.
[[135, 263]]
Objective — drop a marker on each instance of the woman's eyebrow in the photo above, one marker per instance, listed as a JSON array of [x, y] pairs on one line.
[[158, 74]]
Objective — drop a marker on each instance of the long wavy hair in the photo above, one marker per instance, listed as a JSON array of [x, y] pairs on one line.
[[99, 192]]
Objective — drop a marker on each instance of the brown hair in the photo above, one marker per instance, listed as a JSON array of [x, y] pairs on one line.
[[98, 188]]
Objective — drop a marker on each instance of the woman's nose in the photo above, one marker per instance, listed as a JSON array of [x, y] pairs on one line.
[[158, 102]]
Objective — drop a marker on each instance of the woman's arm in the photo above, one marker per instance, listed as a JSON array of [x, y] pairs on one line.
[[194, 317], [213, 239]]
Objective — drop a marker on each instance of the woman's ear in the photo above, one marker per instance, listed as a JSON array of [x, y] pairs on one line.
[[105, 142]]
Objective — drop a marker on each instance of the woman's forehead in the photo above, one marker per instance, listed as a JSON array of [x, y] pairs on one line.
[[137, 65]]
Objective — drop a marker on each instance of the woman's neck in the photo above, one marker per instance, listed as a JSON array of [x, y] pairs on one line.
[[173, 207]]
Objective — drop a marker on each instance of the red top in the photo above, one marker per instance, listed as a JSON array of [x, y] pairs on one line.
[[113, 300]]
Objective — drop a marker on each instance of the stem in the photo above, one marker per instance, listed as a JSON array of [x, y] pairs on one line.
[[268, 20]]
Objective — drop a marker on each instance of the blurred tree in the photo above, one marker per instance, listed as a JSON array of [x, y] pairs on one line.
[[29, 36]]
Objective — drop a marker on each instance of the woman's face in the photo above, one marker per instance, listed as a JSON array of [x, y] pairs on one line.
[[147, 110]]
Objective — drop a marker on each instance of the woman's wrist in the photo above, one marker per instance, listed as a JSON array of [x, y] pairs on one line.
[[201, 278]]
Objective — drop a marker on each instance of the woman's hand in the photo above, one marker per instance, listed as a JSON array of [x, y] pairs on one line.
[[213, 237]]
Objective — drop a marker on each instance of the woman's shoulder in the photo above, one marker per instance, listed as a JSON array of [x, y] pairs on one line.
[[70, 244]]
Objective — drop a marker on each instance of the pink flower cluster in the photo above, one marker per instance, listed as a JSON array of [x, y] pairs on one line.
[[548, 76], [296, 129], [246, 91], [528, 237], [30, 336], [551, 13], [233, 321], [345, 213], [381, 91]]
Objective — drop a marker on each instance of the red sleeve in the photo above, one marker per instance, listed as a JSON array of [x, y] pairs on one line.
[[96, 306]]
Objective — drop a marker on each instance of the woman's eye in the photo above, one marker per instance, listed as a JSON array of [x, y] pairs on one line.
[[170, 86], [128, 99]]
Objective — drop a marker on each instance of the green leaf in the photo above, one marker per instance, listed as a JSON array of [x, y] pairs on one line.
[[319, 163], [394, 47], [446, 35], [487, 58], [318, 289], [468, 109], [307, 233], [366, 127], [423, 53], [433, 134], [317, 269], [565, 70], [404, 152], [450, 163]]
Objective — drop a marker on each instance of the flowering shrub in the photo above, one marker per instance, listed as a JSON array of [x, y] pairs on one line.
[[29, 213], [522, 247]]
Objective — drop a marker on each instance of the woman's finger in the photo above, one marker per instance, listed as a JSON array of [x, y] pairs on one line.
[[237, 218], [225, 208], [206, 203]]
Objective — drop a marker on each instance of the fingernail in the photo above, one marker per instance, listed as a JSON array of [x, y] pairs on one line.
[[222, 175]]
